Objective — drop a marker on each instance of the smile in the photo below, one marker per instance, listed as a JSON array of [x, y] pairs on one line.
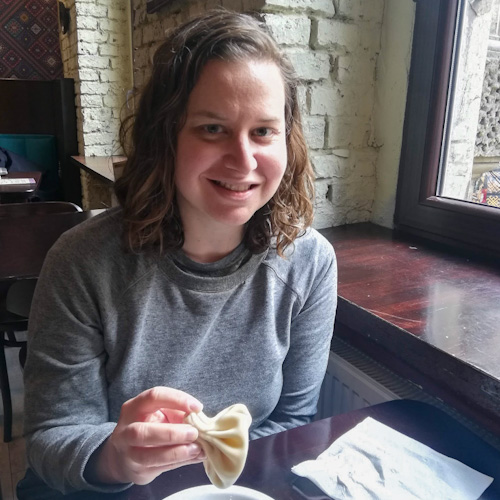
[[234, 187]]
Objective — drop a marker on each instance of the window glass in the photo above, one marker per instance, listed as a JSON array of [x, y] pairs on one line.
[[470, 157]]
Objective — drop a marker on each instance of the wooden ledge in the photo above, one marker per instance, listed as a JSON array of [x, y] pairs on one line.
[[431, 316]]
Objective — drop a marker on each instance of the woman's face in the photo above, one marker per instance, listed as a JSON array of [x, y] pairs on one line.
[[231, 152]]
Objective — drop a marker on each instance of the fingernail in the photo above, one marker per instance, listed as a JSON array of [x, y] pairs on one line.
[[191, 434], [195, 406], [194, 449]]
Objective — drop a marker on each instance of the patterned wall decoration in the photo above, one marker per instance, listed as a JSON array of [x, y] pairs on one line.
[[29, 40]]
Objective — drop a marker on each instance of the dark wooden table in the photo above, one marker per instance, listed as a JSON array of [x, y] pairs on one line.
[[268, 467], [20, 190], [25, 241], [104, 168]]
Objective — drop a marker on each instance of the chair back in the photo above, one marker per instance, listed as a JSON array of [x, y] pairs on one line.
[[19, 297], [37, 208]]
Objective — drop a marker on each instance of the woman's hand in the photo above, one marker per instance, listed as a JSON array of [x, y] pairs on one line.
[[148, 439]]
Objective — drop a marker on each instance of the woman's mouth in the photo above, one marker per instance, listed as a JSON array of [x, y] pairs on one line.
[[234, 187]]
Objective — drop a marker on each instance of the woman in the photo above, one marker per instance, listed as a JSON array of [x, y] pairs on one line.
[[204, 288]]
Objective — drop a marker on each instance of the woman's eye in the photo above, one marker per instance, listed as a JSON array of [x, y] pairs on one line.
[[212, 129], [263, 132]]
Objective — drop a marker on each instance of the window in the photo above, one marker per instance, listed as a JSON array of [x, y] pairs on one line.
[[440, 195]]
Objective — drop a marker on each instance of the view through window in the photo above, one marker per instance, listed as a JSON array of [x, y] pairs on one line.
[[470, 158]]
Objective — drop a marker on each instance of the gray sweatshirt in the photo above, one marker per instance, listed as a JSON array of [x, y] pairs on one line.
[[107, 324]]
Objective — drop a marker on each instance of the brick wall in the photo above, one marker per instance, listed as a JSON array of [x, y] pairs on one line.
[[334, 47], [96, 53]]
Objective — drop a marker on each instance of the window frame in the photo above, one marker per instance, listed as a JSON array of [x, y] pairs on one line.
[[419, 211]]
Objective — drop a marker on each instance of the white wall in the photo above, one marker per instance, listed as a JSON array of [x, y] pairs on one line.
[[352, 57], [393, 68]]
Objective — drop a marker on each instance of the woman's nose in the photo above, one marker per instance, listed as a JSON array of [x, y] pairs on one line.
[[241, 155]]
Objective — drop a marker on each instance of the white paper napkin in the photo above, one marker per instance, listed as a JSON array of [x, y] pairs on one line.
[[374, 462]]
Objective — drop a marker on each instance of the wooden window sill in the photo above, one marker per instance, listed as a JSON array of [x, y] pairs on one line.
[[428, 314]]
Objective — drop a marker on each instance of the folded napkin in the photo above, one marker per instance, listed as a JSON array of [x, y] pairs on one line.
[[374, 462], [224, 438]]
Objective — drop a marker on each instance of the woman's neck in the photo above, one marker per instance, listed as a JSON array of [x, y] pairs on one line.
[[211, 247]]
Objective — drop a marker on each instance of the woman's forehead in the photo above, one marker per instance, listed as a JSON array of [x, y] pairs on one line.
[[240, 84]]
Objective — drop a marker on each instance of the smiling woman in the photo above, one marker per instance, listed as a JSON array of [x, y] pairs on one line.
[[206, 288], [231, 154]]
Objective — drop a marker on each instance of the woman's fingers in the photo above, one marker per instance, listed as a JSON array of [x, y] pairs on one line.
[[151, 400], [165, 456], [158, 434]]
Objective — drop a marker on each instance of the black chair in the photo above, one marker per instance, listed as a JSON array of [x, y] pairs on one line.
[[14, 312], [15, 303], [37, 208]]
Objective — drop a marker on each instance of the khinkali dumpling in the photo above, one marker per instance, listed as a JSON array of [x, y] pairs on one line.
[[224, 438]]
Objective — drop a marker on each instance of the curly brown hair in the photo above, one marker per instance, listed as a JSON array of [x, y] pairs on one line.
[[146, 189]]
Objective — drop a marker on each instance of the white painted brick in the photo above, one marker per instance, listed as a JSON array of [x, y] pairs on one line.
[[91, 101], [328, 166], [112, 25], [334, 32], [325, 217], [93, 88], [109, 75], [112, 100], [89, 74], [322, 6], [98, 62], [356, 69], [118, 39], [302, 99], [370, 36], [314, 131], [98, 150], [110, 50], [92, 36], [364, 164], [362, 10], [92, 126], [95, 138], [321, 188], [87, 23], [85, 9], [344, 132], [117, 13], [100, 114], [327, 100], [309, 65], [87, 48], [289, 30], [361, 100]]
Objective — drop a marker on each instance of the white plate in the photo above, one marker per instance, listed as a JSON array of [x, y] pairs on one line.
[[210, 492]]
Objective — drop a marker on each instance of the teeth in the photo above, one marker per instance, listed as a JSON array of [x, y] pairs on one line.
[[234, 187]]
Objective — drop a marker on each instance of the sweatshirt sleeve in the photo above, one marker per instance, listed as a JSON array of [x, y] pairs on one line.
[[66, 402], [305, 365]]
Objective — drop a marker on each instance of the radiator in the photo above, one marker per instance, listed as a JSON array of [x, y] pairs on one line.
[[354, 380], [350, 382]]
